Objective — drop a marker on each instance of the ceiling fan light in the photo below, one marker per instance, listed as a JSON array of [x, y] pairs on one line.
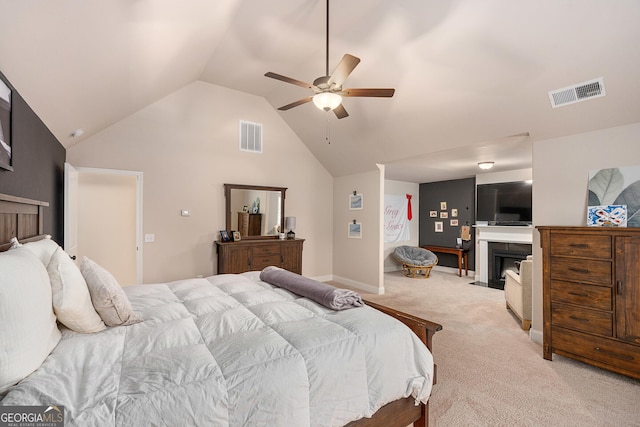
[[485, 165], [327, 101]]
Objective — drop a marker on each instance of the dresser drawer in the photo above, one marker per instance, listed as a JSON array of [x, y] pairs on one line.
[[621, 357], [582, 319], [585, 295], [577, 270], [260, 262], [260, 250], [588, 246]]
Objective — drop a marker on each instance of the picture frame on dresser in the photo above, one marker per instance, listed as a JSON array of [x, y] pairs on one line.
[[224, 236], [6, 158]]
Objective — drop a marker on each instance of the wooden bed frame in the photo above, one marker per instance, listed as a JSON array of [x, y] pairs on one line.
[[23, 218]]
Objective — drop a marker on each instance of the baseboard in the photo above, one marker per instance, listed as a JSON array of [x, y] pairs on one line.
[[359, 285], [535, 336], [325, 278]]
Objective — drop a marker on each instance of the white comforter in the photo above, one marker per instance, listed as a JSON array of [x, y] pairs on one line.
[[230, 350]]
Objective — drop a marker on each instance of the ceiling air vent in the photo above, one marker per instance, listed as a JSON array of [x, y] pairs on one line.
[[577, 93], [250, 137]]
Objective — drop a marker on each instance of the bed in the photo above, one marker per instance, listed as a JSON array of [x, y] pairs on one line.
[[227, 350]]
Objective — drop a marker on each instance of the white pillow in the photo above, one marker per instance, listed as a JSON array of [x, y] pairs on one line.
[[28, 329], [43, 249], [107, 295], [71, 299]]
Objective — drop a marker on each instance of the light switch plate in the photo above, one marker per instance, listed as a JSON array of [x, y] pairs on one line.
[[149, 238]]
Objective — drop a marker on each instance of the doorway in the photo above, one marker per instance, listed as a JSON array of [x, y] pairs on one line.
[[103, 219]]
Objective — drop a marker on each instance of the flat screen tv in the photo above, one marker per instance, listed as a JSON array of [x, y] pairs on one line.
[[504, 203]]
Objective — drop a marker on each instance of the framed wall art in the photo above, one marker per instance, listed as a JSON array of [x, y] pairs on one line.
[[355, 201], [355, 230]]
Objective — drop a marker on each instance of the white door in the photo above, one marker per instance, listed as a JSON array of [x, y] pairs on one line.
[[107, 220]]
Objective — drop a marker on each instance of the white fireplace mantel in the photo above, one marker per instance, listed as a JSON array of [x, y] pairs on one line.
[[492, 233]]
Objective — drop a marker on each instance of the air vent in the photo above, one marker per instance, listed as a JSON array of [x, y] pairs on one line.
[[250, 137], [577, 93]]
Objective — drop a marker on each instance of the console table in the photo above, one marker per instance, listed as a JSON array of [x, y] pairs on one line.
[[463, 255]]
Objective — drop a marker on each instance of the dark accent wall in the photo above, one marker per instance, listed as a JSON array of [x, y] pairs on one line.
[[38, 164], [458, 194]]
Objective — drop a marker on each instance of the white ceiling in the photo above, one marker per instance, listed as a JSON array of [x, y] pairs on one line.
[[471, 77]]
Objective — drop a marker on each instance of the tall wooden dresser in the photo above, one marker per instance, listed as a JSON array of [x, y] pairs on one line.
[[591, 296], [256, 254], [249, 224]]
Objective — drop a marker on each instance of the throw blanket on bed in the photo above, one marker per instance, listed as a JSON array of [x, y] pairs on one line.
[[327, 295], [230, 350]]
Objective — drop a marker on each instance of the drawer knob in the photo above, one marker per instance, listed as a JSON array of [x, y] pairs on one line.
[[579, 270], [579, 245], [579, 294]]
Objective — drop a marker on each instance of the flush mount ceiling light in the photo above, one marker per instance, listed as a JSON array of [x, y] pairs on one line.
[[485, 165]]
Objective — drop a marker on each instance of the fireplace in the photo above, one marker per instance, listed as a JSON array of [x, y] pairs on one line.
[[504, 256], [486, 235]]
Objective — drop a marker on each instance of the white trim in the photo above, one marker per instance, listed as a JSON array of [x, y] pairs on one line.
[[359, 285]]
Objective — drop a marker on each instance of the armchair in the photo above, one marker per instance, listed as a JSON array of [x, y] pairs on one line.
[[517, 292]]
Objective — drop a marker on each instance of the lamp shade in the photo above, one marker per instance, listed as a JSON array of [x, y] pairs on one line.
[[327, 101], [290, 223]]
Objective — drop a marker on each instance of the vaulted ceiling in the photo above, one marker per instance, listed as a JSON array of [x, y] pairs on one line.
[[471, 77]]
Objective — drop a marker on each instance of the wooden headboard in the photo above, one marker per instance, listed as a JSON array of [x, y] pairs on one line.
[[21, 218]]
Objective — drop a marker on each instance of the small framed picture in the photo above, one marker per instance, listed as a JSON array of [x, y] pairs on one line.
[[443, 206], [433, 214], [607, 216], [355, 202], [224, 236], [444, 215], [355, 230], [439, 227], [236, 236], [245, 208], [453, 222], [454, 213]]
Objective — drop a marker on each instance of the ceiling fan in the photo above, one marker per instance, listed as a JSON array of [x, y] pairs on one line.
[[328, 91]]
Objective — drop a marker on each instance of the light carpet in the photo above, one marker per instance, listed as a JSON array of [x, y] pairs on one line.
[[491, 374]]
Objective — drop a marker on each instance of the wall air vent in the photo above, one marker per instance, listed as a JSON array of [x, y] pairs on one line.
[[250, 137], [577, 93]]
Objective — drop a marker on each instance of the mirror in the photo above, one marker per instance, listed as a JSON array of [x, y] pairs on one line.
[[257, 212]]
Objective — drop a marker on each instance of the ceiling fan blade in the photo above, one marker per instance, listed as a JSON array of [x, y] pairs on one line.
[[380, 93], [288, 80], [296, 103], [340, 112], [344, 68]]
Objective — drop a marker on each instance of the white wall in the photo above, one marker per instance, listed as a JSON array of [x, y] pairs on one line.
[[560, 179], [358, 262], [401, 188], [186, 144]]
